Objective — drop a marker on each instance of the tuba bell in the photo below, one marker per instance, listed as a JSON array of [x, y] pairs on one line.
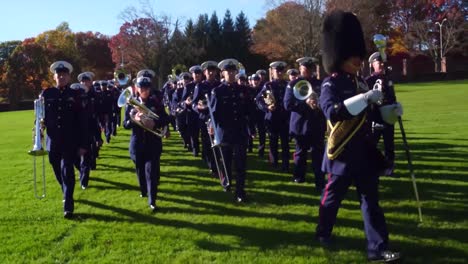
[[126, 98], [303, 90], [122, 77]]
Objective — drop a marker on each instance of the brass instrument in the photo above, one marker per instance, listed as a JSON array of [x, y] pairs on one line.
[[177, 70], [269, 97], [127, 98], [202, 104], [122, 77], [38, 148], [303, 90], [217, 149]]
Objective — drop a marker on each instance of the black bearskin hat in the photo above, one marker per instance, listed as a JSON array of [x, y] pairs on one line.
[[342, 38]]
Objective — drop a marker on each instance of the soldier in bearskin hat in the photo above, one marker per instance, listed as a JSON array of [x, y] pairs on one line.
[[351, 154]]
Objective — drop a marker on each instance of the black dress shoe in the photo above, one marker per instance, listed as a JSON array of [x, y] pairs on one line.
[[153, 207], [299, 180], [143, 195], [386, 256], [261, 153], [227, 189], [240, 199], [68, 214], [324, 241]]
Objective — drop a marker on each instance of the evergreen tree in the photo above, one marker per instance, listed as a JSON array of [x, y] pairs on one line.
[[214, 38], [242, 37], [195, 51], [201, 35], [228, 36], [177, 51]]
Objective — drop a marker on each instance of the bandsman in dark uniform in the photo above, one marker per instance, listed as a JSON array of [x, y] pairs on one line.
[[263, 76], [108, 105], [146, 147], [257, 117], [179, 110], [168, 90], [351, 155], [229, 104], [116, 114], [97, 86], [249, 80], [192, 120], [293, 74], [242, 79], [151, 74], [67, 130], [381, 126], [88, 161], [270, 100], [199, 105], [307, 124]]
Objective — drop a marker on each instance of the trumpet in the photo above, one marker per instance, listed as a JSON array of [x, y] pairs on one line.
[[126, 98], [303, 90], [38, 148]]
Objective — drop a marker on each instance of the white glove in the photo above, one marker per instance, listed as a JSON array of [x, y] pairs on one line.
[[373, 96]]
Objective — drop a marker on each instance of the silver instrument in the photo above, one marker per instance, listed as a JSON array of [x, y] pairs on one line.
[[38, 147], [216, 147], [122, 77], [126, 98], [303, 90]]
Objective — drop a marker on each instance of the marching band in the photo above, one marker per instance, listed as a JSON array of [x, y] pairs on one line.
[[224, 110]]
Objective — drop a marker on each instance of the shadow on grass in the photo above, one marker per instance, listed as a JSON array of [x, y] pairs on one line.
[[112, 185]]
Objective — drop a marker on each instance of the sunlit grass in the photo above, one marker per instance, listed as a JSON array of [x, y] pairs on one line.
[[198, 223]]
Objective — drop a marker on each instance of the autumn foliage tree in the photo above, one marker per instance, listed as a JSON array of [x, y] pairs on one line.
[[140, 44], [95, 54], [289, 31]]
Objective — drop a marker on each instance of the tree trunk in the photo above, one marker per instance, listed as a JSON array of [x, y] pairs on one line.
[[12, 96]]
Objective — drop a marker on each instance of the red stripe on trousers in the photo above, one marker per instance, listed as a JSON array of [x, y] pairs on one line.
[[326, 189]]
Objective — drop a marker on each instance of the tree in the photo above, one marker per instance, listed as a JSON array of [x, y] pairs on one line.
[[200, 35], [416, 20], [143, 41], [228, 36], [95, 54], [6, 49], [27, 72], [59, 44], [373, 15], [285, 33], [213, 47], [243, 37]]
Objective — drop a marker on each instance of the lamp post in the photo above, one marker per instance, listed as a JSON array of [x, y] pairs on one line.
[[442, 60], [121, 57]]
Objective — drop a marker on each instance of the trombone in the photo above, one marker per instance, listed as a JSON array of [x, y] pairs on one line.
[[127, 98], [216, 146], [38, 147]]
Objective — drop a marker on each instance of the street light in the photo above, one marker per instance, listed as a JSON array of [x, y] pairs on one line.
[[121, 57], [441, 46]]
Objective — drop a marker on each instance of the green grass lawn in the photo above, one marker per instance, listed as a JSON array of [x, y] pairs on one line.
[[198, 223]]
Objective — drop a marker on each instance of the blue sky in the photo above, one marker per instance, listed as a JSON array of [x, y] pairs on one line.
[[22, 19]]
